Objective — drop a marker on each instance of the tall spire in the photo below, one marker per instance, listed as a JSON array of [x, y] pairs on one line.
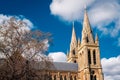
[[73, 39], [86, 23], [87, 32]]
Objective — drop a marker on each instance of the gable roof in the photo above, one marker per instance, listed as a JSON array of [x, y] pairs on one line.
[[56, 66], [62, 66]]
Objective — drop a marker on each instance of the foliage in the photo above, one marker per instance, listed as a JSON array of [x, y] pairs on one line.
[[20, 47]]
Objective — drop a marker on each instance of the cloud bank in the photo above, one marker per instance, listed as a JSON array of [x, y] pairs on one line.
[[69, 9], [111, 66], [104, 15], [58, 56]]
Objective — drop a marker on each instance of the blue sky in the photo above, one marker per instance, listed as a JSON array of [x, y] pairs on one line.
[[43, 18], [56, 16]]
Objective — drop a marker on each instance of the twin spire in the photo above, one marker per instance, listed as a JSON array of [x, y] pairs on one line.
[[73, 39], [87, 36]]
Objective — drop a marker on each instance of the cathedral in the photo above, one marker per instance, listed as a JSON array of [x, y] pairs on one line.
[[83, 58]]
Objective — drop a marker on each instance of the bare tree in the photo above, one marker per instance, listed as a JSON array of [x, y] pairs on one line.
[[22, 51]]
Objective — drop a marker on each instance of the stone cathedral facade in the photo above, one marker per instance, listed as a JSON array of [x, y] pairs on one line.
[[83, 58]]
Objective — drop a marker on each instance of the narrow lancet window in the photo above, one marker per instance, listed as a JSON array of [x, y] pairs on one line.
[[89, 57], [73, 52], [87, 39], [94, 56]]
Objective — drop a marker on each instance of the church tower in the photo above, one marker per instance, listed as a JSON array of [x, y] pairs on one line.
[[72, 54], [86, 53], [89, 54]]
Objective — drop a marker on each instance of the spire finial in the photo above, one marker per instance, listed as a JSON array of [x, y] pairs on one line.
[[73, 38], [87, 31]]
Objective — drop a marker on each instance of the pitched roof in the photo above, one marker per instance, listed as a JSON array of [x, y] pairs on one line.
[[57, 66], [62, 66]]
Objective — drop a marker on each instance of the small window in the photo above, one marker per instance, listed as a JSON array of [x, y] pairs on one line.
[[87, 39], [73, 52], [94, 56], [89, 56], [74, 61]]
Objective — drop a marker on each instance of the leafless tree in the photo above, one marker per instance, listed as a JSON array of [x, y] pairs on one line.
[[22, 51]]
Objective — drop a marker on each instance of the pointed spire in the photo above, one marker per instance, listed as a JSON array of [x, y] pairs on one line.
[[87, 32], [73, 38], [86, 23]]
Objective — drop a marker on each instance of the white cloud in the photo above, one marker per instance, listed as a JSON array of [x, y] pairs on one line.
[[3, 17], [58, 56], [7, 17], [102, 13], [69, 9], [111, 68]]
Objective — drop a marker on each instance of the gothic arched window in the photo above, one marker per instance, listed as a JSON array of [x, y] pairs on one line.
[[87, 39], [89, 56], [73, 52], [94, 56]]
